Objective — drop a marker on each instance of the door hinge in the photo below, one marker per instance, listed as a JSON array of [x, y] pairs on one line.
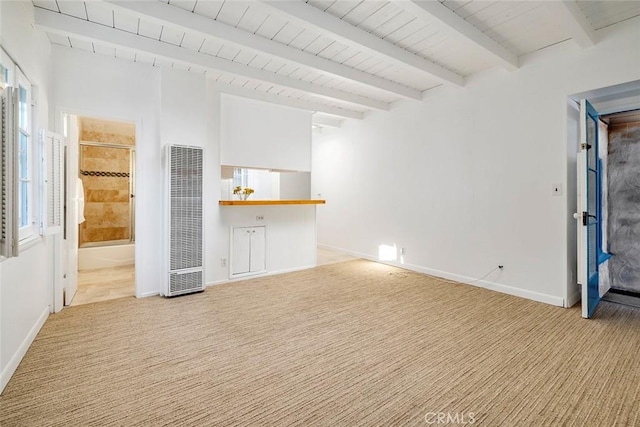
[[585, 146]]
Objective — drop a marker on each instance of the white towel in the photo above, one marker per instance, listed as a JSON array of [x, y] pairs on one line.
[[80, 199]]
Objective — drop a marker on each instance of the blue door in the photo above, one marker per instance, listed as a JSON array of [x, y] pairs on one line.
[[589, 203]]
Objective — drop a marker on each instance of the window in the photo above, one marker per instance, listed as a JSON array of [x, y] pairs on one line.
[[240, 177], [4, 76], [25, 159], [27, 174]]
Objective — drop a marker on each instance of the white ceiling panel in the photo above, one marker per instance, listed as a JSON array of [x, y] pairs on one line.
[[604, 13], [271, 26], [125, 54], [164, 63], [188, 5], [396, 23], [244, 57], [228, 52], [321, 4], [342, 8], [211, 47], [104, 50], [232, 12], [471, 7], [47, 4], [59, 39], [381, 16], [208, 8], [144, 59], [303, 39], [81, 44], [501, 13], [192, 41], [362, 11], [412, 26], [126, 22], [253, 18], [171, 35], [259, 61], [288, 69], [287, 34], [73, 8], [365, 62], [408, 78], [536, 29], [149, 29], [318, 45], [100, 12]]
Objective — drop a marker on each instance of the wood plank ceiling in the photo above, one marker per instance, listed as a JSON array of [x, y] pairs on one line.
[[338, 58]]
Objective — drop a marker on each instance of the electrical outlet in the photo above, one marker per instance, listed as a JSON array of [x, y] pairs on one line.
[[403, 251], [259, 217], [223, 262]]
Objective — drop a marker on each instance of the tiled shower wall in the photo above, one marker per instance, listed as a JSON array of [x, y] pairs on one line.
[[623, 164], [106, 174]]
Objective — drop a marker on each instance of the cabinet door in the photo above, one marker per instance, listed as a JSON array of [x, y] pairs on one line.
[[241, 250], [258, 249]]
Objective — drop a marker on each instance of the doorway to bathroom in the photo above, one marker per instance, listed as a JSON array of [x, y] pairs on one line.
[[102, 179]]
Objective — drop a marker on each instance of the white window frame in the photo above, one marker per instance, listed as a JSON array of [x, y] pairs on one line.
[[29, 233], [30, 228]]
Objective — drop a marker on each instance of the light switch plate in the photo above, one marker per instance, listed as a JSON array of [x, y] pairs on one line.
[[556, 190]]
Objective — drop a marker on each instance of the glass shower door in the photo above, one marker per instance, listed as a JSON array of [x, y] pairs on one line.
[[106, 172]]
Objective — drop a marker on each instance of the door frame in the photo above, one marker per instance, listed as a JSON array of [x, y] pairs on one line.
[[607, 100], [59, 113]]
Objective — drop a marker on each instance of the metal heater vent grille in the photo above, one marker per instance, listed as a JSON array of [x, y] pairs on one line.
[[183, 283], [185, 213]]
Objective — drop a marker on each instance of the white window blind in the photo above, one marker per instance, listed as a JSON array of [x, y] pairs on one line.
[[9, 237], [53, 170]]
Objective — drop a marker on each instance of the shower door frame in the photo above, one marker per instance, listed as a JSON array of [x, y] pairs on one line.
[[132, 186]]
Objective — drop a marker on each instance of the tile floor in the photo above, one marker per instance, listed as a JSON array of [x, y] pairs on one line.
[[104, 284], [109, 283]]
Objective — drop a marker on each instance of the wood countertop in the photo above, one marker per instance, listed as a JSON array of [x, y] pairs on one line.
[[271, 202]]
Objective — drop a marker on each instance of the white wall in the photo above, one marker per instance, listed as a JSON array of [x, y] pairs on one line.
[[188, 116], [170, 107], [256, 134], [290, 233], [98, 86], [24, 292], [463, 181], [295, 185]]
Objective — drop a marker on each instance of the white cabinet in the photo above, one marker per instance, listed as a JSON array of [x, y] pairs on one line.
[[248, 250]]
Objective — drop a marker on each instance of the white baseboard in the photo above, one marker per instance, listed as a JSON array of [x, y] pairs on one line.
[[255, 276], [147, 294], [573, 299], [505, 289], [15, 360]]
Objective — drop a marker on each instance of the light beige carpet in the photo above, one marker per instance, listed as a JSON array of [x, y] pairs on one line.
[[355, 343]]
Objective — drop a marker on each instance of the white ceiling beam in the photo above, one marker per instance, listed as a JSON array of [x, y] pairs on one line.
[[581, 30], [311, 17], [85, 30], [289, 102], [326, 121], [206, 27], [431, 10]]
